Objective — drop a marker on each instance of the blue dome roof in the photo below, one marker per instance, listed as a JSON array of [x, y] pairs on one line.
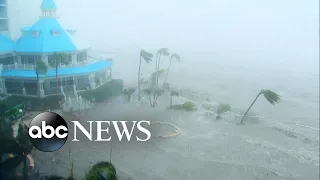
[[6, 45], [46, 35], [48, 5]]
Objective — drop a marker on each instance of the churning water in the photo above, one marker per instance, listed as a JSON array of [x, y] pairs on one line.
[[285, 145]]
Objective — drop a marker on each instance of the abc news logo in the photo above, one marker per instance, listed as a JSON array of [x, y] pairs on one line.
[[48, 131]]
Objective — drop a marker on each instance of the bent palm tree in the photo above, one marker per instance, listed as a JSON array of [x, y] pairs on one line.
[[59, 58], [160, 52], [177, 57], [41, 68], [271, 97], [147, 57]]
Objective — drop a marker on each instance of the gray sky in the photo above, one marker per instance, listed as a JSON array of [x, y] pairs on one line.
[[273, 30]]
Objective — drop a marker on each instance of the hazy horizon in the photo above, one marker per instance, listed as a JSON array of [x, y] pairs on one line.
[[276, 33]]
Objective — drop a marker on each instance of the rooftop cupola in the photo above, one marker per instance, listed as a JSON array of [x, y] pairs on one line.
[[48, 8]]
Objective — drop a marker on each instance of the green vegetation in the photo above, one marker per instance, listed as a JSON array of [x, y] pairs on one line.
[[147, 57], [100, 171], [41, 68], [222, 108], [14, 113], [154, 91], [104, 92], [272, 97], [18, 146], [34, 103], [11, 167], [128, 92], [187, 106]]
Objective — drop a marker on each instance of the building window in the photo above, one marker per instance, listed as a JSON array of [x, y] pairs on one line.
[[30, 59], [81, 56], [35, 33], [55, 33], [4, 25]]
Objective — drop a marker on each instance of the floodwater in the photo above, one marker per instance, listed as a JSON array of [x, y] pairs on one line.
[[204, 149], [283, 146]]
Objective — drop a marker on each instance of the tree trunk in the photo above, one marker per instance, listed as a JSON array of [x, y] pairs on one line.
[[157, 62], [250, 107], [150, 100], [157, 68], [154, 100], [139, 83], [165, 80]]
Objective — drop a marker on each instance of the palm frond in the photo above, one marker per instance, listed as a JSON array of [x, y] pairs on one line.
[[272, 97], [163, 51], [158, 73], [176, 56], [146, 56], [41, 67]]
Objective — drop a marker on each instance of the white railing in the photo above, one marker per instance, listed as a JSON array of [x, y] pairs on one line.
[[18, 66], [31, 66]]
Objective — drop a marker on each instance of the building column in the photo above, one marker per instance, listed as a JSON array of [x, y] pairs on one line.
[[19, 59], [74, 58], [44, 58], [3, 89], [41, 90], [92, 81]]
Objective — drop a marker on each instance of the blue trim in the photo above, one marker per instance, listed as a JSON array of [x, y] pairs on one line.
[[68, 71]]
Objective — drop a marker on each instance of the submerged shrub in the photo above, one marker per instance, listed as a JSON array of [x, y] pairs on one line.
[[186, 106]]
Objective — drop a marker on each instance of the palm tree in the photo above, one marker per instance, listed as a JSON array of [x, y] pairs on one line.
[[271, 97], [156, 90], [147, 57], [41, 68], [177, 57], [59, 58], [160, 52], [128, 92], [173, 93]]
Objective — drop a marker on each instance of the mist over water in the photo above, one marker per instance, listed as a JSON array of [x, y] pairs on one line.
[[230, 50]]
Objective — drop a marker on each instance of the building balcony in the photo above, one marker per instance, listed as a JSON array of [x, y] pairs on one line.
[[28, 71]]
